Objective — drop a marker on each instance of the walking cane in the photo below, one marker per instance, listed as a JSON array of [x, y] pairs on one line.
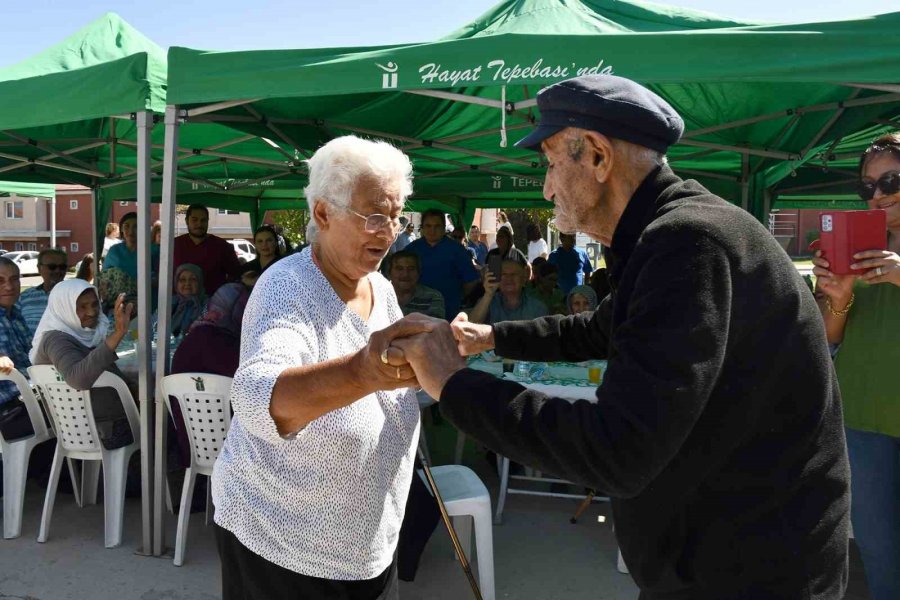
[[583, 506], [460, 553]]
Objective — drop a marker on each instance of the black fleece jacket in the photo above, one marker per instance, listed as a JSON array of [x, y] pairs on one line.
[[717, 431]]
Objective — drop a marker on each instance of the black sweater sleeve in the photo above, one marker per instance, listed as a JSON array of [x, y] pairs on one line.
[[670, 343], [573, 338]]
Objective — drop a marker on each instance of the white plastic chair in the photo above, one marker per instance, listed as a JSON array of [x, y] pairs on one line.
[[467, 500], [205, 403], [77, 438], [16, 456]]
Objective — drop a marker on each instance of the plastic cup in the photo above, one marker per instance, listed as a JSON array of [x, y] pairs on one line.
[[595, 373]]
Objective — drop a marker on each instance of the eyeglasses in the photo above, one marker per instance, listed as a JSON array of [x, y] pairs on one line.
[[377, 222], [55, 267], [889, 184]]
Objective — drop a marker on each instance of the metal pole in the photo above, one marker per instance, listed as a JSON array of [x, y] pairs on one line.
[[145, 268], [53, 221], [95, 198], [163, 324]]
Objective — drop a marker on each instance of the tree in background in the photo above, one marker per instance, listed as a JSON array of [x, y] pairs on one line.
[[294, 223], [519, 218]]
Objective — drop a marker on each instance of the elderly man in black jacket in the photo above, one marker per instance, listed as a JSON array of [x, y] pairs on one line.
[[717, 430]]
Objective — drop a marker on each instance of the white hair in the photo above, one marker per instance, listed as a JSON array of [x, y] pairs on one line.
[[336, 167]]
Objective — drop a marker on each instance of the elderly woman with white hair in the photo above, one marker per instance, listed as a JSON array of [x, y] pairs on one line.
[[312, 481]]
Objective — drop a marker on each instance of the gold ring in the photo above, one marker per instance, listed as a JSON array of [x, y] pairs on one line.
[[398, 372], [384, 358]]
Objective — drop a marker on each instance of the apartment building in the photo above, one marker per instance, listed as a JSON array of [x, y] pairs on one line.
[[25, 221]]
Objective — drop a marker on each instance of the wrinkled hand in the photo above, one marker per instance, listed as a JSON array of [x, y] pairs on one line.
[[122, 313], [471, 338], [396, 372], [883, 266], [6, 365], [433, 356], [837, 287]]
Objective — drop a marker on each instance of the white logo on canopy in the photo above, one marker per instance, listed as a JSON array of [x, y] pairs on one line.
[[389, 77]]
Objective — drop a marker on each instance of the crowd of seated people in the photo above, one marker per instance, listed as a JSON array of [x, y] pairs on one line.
[[78, 327]]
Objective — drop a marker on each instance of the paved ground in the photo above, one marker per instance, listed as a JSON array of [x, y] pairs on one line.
[[538, 554]]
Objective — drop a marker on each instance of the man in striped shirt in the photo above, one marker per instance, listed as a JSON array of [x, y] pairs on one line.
[[15, 340], [52, 265]]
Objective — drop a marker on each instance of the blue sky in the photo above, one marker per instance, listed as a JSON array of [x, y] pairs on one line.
[[33, 25]]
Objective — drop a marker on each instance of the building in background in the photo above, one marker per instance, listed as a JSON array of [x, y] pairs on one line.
[[25, 222]]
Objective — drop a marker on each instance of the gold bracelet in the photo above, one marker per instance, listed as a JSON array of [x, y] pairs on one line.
[[844, 311]]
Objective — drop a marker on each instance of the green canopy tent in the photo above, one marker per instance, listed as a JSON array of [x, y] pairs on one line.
[[81, 113], [19, 188], [759, 101]]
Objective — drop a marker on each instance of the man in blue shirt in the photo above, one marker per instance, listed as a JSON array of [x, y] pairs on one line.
[[511, 303], [404, 239], [477, 245], [15, 339], [446, 265], [572, 263], [52, 265]]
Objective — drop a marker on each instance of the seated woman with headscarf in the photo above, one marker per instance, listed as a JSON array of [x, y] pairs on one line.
[[213, 343], [72, 337], [189, 300], [581, 298]]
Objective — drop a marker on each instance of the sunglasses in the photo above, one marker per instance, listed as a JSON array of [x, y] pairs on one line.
[[889, 184], [53, 267]]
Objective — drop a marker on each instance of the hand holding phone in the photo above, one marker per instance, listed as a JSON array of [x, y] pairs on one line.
[[845, 233], [495, 266]]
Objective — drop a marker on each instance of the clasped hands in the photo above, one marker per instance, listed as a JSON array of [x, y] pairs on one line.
[[423, 351]]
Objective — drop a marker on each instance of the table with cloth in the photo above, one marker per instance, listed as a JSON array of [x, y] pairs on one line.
[[560, 379]]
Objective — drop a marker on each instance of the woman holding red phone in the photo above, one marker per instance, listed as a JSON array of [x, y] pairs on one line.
[[862, 317]]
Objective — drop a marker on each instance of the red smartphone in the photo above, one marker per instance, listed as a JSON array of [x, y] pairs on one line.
[[843, 233]]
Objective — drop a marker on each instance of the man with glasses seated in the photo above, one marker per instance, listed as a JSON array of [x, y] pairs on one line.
[[52, 265], [446, 264]]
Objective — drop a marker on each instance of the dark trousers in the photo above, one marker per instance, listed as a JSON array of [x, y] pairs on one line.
[[248, 576]]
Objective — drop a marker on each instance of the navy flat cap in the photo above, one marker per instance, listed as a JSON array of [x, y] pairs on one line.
[[611, 105]]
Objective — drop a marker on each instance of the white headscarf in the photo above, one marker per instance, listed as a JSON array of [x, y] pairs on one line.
[[61, 316]]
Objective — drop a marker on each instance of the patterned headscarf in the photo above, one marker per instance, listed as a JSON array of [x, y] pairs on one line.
[[225, 309], [582, 290], [186, 309], [112, 282]]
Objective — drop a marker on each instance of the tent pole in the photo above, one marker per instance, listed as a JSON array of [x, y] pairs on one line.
[[52, 152], [95, 198], [163, 325], [742, 149], [26, 163], [881, 87], [828, 125], [284, 137], [44, 163], [202, 110], [144, 307]]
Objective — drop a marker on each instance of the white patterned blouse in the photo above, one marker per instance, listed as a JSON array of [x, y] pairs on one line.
[[329, 502]]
